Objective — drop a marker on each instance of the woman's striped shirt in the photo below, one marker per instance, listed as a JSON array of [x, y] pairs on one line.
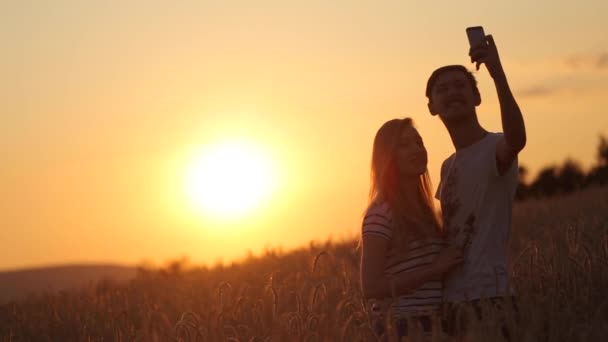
[[419, 253]]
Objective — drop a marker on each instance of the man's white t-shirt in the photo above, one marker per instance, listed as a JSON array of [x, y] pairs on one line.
[[477, 201]]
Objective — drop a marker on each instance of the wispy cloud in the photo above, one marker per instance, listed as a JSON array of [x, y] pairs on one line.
[[582, 86], [578, 74], [588, 62], [603, 61], [537, 91]]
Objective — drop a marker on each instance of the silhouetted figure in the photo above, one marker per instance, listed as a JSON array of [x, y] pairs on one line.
[[478, 181], [403, 254]]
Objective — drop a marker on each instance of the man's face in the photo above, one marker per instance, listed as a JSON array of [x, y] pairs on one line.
[[453, 97]]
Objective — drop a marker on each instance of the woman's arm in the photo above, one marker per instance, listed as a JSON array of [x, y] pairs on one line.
[[376, 284]]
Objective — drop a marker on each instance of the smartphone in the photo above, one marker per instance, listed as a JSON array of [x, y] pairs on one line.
[[475, 35]]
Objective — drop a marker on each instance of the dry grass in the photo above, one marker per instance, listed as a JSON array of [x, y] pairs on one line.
[[559, 267]]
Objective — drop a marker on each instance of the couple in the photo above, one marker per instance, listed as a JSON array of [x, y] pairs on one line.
[[410, 260]]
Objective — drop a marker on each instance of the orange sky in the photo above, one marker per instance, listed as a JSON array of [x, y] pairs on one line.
[[102, 102]]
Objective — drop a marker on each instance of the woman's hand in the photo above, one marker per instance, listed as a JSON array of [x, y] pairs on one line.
[[449, 258], [462, 236]]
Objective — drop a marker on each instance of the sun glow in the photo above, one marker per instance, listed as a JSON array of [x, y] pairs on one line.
[[229, 179]]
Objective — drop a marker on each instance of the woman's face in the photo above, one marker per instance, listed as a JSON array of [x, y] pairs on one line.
[[411, 155]]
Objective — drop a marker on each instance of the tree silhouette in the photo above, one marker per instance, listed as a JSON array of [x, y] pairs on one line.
[[522, 190], [569, 177], [599, 174], [602, 152], [546, 183]]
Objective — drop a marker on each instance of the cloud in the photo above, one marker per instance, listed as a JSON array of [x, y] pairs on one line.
[[602, 61], [582, 86], [579, 74], [596, 61], [537, 91]]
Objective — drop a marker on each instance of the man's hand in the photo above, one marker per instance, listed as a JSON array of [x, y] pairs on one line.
[[486, 53]]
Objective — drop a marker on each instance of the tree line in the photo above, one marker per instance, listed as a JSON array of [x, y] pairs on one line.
[[566, 178]]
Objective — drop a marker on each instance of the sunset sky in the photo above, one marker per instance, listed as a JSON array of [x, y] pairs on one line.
[[105, 105]]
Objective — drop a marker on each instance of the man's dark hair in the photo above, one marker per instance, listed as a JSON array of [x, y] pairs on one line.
[[433, 79]]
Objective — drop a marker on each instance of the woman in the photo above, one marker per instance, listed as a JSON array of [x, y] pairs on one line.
[[403, 254]]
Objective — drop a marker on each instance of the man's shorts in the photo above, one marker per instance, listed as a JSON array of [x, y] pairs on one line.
[[402, 326], [458, 318]]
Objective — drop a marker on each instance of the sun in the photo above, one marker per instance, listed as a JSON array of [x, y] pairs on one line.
[[229, 179]]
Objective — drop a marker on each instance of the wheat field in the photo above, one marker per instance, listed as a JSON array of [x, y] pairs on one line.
[[559, 268]]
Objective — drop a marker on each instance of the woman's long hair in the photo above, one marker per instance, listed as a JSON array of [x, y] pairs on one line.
[[408, 223]]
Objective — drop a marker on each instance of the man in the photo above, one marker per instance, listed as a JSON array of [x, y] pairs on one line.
[[478, 181]]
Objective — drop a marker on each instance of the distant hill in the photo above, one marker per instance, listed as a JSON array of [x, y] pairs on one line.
[[20, 283]]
